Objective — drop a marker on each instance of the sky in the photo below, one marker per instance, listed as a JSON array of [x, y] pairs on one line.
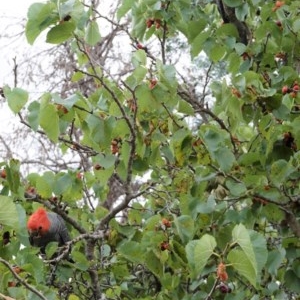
[[12, 13], [12, 43]]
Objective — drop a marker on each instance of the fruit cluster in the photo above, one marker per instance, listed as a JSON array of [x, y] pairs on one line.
[[151, 21], [278, 4], [291, 90]]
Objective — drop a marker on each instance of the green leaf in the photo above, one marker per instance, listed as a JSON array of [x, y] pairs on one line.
[[217, 53], [8, 212], [225, 158], [16, 99], [185, 108], [241, 237], [275, 259], [81, 261], [233, 3], [92, 35], [260, 249], [198, 43], [40, 16], [136, 77], [60, 33], [62, 183], [44, 184], [139, 58], [68, 102], [65, 8], [242, 11], [198, 252], [124, 8], [49, 121], [185, 227], [280, 170], [13, 176], [242, 264], [132, 251], [235, 188], [292, 281], [194, 28], [154, 264], [34, 115]]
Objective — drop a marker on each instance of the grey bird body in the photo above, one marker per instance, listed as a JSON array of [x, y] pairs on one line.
[[45, 227]]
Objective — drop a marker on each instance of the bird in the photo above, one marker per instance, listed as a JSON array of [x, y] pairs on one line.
[[45, 227]]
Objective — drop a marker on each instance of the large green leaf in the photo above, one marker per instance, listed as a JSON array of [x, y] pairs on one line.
[[198, 252], [16, 98], [124, 8], [40, 16], [243, 265], [248, 265], [44, 184], [185, 227], [92, 35], [49, 121], [132, 251], [34, 115], [8, 212], [60, 33]]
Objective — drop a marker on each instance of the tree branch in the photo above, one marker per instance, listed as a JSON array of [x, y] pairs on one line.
[[21, 280]]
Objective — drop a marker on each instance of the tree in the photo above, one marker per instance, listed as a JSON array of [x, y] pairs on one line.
[[182, 192]]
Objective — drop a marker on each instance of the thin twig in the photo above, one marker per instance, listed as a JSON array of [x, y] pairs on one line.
[[21, 280]]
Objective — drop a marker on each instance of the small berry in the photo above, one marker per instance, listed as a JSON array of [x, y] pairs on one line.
[[153, 83], [165, 246], [285, 89], [149, 22], [166, 222], [97, 167], [140, 46], [3, 173], [278, 4]]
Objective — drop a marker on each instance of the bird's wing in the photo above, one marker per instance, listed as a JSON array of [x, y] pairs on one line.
[[59, 228]]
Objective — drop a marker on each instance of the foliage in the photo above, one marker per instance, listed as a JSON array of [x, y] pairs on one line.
[[204, 210]]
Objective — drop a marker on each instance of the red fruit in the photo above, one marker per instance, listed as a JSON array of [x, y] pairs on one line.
[[149, 23], [166, 222], [3, 173], [62, 109], [11, 284], [153, 83], [157, 23], [53, 199], [164, 246], [278, 4], [97, 167], [293, 94], [236, 93], [245, 56], [79, 175], [115, 146], [17, 269], [296, 88], [224, 289], [31, 190], [285, 89], [278, 23], [221, 272], [140, 46]]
